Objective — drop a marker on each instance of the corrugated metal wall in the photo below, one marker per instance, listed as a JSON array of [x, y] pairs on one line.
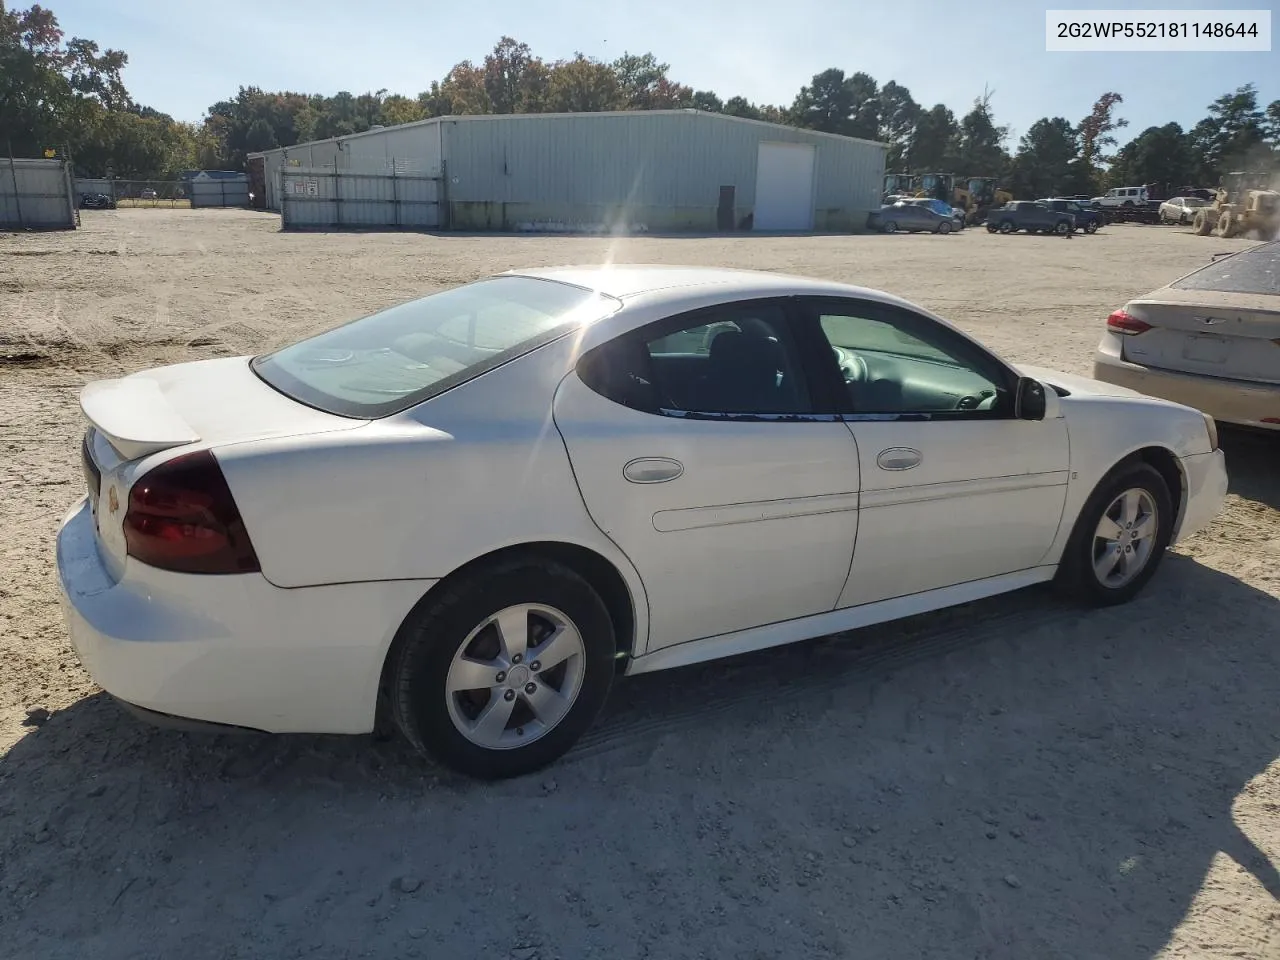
[[660, 170], [36, 195], [413, 149], [219, 192]]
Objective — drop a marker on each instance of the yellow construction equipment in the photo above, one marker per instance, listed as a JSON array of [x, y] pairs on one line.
[[977, 195], [898, 184], [1243, 205]]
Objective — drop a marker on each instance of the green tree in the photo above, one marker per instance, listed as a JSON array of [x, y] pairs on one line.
[[936, 142], [827, 103], [582, 84], [981, 143], [1162, 155], [643, 84], [898, 115], [514, 79], [706, 100], [1232, 135], [1043, 165], [465, 89]]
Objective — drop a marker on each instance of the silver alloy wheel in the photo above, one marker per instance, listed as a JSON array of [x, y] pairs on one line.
[[1125, 537], [515, 677]]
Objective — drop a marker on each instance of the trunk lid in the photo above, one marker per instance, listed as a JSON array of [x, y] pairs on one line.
[[1235, 336], [206, 402], [209, 401]]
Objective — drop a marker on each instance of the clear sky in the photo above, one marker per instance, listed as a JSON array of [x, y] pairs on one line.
[[185, 56]]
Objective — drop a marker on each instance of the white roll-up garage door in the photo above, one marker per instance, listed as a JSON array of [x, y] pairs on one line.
[[784, 187]]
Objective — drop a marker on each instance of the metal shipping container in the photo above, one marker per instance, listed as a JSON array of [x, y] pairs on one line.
[[36, 195]]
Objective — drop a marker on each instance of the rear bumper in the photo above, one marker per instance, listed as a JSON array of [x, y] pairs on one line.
[[229, 650], [1231, 401]]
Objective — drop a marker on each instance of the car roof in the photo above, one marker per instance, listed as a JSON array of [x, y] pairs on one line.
[[633, 279]]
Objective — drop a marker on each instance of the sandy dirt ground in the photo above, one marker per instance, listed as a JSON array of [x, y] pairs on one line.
[[1012, 779]]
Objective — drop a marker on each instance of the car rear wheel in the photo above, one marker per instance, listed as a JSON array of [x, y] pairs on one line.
[[1119, 538], [1091, 226], [891, 226], [1062, 228], [502, 673], [1006, 226]]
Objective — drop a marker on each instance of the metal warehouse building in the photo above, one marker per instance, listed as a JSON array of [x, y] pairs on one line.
[[660, 170]]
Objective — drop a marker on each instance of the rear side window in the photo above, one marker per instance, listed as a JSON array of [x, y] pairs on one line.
[[733, 361], [391, 360], [1256, 270]]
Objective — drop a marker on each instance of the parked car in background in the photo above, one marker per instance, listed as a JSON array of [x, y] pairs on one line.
[[1087, 218], [1181, 209], [942, 208], [373, 521], [1032, 217], [96, 201], [148, 193], [909, 217], [1123, 197], [1210, 340]]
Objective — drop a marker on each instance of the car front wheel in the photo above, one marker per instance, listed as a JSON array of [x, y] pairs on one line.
[[500, 675], [1119, 538], [1006, 227], [1091, 226]]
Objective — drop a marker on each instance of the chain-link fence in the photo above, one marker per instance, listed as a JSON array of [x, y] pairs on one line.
[[132, 193]]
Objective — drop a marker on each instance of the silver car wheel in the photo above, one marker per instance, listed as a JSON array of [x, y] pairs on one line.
[[1125, 538], [515, 677]]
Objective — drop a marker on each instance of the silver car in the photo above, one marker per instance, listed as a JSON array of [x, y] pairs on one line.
[[909, 217], [1210, 340]]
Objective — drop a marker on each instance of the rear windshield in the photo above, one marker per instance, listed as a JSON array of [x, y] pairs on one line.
[[391, 360], [1256, 270]]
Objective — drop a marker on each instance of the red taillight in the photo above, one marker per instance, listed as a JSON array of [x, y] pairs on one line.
[[182, 517], [1122, 322]]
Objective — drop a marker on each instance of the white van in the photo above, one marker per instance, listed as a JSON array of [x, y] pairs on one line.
[[1123, 197]]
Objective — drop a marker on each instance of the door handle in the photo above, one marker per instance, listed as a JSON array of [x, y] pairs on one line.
[[652, 469], [899, 458]]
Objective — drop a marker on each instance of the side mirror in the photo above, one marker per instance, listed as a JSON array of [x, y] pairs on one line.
[[1029, 403]]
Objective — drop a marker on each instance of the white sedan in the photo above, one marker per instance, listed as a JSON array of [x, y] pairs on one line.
[[1181, 209], [466, 514]]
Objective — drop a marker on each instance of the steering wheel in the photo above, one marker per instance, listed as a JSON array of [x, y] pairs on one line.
[[852, 367]]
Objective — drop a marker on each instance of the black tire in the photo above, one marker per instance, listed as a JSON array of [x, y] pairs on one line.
[[944, 227], [891, 226], [1091, 227], [1062, 228], [991, 228], [432, 634], [1076, 575], [1006, 226]]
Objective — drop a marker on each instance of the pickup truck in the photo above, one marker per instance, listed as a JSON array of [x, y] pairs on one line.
[[1088, 219], [1032, 217]]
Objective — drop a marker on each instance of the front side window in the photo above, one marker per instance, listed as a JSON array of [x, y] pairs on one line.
[[391, 360], [739, 360], [896, 362]]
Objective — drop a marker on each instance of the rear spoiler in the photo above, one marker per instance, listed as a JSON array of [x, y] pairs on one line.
[[134, 416]]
